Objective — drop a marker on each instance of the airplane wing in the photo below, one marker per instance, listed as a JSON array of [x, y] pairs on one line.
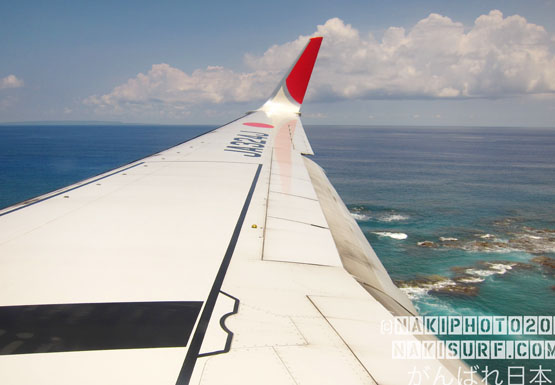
[[227, 259]]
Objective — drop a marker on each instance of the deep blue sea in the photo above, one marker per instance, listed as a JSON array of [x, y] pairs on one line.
[[462, 218]]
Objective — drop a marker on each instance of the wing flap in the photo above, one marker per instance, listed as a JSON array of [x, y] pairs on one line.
[[313, 245], [300, 140], [294, 215], [296, 209]]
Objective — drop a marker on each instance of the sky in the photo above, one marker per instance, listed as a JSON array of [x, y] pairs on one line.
[[429, 62]]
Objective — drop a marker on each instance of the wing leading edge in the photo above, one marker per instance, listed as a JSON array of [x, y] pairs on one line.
[[234, 244]]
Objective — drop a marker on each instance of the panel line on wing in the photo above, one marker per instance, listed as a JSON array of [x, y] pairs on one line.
[[68, 190], [267, 205], [196, 161], [293, 195], [292, 220], [196, 343], [341, 338], [229, 337]]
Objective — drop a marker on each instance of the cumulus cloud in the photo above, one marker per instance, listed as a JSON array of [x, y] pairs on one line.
[[436, 58], [164, 84], [10, 81]]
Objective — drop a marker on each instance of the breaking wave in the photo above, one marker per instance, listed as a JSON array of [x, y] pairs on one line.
[[419, 287], [360, 213], [466, 280], [393, 218], [364, 214], [494, 268], [489, 247], [487, 236], [471, 279], [514, 239], [391, 234], [415, 292], [360, 217]]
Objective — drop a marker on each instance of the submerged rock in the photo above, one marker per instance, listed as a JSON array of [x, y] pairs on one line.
[[461, 289], [437, 284], [427, 244], [544, 261], [505, 222], [510, 236], [460, 269], [478, 273], [488, 246], [539, 231], [466, 279], [510, 265], [425, 281]]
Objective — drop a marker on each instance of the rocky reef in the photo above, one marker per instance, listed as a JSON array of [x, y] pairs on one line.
[[507, 235], [466, 280], [510, 238], [546, 262], [437, 284]]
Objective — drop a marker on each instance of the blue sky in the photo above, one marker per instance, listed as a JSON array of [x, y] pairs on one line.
[[208, 62]]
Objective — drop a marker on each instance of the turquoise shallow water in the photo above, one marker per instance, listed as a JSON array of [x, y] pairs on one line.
[[491, 189]]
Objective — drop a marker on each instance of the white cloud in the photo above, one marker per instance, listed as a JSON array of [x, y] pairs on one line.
[[10, 81], [166, 86], [437, 58]]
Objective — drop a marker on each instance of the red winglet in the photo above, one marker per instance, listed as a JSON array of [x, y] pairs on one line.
[[298, 78]]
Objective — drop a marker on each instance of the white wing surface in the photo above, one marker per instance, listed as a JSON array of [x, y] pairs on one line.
[[227, 259]]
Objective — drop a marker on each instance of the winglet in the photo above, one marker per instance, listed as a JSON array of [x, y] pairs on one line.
[[289, 94], [298, 77]]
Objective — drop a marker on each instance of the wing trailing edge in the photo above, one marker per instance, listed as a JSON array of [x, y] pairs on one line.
[[290, 92]]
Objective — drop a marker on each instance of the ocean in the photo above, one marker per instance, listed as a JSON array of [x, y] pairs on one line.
[[462, 218]]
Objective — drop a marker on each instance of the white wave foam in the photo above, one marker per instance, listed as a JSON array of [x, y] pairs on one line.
[[471, 280], [360, 217], [480, 273], [391, 234], [426, 244], [533, 243], [533, 236], [494, 247], [414, 292], [448, 239], [487, 236], [500, 268], [393, 218], [494, 268]]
